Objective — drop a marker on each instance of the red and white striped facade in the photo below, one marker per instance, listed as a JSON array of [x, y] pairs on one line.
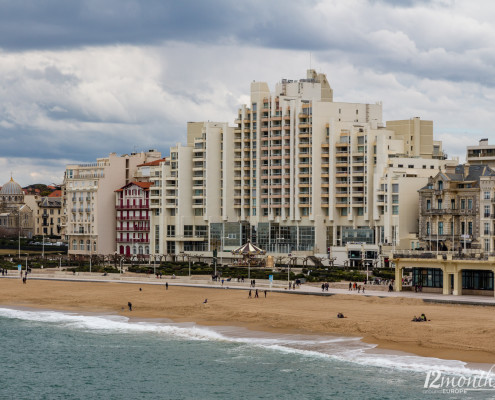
[[133, 219]]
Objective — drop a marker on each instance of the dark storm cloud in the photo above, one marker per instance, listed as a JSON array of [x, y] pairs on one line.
[[49, 24]]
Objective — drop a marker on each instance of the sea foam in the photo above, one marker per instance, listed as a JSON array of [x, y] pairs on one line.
[[345, 349]]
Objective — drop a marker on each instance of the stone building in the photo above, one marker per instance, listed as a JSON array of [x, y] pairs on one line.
[[16, 218], [449, 208]]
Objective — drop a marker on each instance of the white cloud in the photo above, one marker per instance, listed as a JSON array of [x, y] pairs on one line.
[[432, 59]]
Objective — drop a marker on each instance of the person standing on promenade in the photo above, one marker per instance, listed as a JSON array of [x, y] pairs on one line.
[[265, 294], [256, 294], [166, 285]]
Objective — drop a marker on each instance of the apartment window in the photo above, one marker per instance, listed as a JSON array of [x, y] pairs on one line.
[[440, 185], [188, 230], [440, 228], [470, 228], [486, 213], [452, 204], [439, 204], [486, 229], [463, 228], [486, 195], [428, 228], [487, 245], [198, 212], [428, 204], [463, 204], [395, 188], [360, 211], [470, 204], [343, 212], [170, 230], [395, 210], [254, 212]]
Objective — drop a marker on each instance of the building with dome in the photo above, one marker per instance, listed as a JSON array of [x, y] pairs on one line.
[[16, 218]]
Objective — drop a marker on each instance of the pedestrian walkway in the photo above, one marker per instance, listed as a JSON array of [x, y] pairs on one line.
[[276, 286]]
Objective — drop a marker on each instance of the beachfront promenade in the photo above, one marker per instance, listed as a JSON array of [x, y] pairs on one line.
[[261, 284]]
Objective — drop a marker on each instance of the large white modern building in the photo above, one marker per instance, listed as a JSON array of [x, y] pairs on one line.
[[298, 173]]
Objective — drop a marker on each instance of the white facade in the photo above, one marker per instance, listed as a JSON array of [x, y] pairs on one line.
[[297, 174], [89, 200]]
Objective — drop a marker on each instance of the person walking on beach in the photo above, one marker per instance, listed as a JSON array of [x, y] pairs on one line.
[[265, 294], [166, 285], [350, 286], [249, 295], [256, 294], [129, 304]]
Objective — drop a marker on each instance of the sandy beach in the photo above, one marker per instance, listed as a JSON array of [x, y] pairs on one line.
[[458, 332]]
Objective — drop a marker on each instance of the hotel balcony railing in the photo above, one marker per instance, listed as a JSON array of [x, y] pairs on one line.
[[455, 211], [132, 206], [134, 228], [129, 218], [129, 240]]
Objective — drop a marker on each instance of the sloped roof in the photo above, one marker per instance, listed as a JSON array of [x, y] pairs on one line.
[[248, 249], [55, 193], [474, 174], [50, 202], [153, 163], [142, 185]]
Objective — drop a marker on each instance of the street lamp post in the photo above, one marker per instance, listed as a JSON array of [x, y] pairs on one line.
[[288, 274], [43, 248]]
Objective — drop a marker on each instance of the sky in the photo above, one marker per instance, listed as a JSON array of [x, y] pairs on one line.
[[80, 79]]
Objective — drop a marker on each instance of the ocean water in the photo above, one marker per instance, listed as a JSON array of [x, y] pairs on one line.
[[60, 355]]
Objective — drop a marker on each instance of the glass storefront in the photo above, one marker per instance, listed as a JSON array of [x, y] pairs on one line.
[[477, 279], [471, 279], [427, 277]]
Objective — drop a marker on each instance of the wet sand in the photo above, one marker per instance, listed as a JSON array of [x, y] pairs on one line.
[[458, 332]]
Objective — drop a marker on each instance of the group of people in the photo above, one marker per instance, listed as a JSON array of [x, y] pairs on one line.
[[256, 294], [418, 288], [324, 287], [4, 271], [421, 318], [356, 286]]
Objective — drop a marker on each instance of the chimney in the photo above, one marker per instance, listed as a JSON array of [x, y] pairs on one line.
[[450, 169], [466, 170]]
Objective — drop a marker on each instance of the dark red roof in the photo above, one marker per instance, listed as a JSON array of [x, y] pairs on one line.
[[153, 163], [55, 193]]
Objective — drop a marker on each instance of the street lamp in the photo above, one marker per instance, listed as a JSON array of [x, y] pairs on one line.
[[43, 240]]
